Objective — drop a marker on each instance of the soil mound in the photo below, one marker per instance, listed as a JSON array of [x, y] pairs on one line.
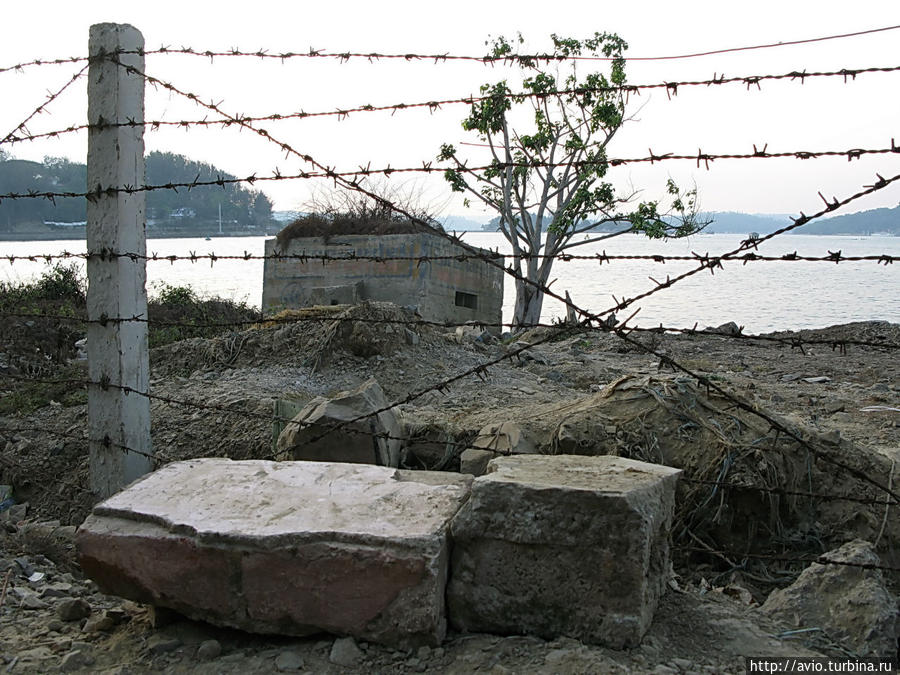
[[321, 226]]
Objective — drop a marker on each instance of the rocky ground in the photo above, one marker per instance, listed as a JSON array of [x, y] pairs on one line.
[[51, 618]]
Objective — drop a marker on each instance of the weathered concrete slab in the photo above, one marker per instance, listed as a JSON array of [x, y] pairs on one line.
[[562, 545], [374, 439], [283, 547]]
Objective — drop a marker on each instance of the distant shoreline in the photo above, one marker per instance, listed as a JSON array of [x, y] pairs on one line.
[[80, 236]]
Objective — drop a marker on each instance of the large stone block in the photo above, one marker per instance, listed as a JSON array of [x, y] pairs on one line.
[[283, 547], [373, 439], [563, 545]]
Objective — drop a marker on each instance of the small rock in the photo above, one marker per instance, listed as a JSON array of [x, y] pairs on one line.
[[683, 664], [438, 653], [25, 565], [73, 609], [817, 380], [57, 590], [664, 670], [412, 338], [287, 662], [100, 624], [556, 656], [17, 513], [32, 601], [344, 652], [163, 646], [832, 437], [790, 377], [61, 646], [118, 615], [424, 653], [209, 650], [55, 626], [76, 660]]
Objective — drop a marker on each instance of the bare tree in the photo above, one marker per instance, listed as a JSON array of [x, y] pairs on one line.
[[548, 183], [382, 201]]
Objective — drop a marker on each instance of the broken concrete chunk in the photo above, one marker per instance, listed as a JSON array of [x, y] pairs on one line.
[[850, 603], [374, 439], [282, 547], [563, 546], [506, 438], [474, 462]]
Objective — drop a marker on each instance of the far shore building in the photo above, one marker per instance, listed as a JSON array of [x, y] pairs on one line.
[[457, 287]]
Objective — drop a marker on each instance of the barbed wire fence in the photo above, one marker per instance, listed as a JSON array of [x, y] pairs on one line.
[[588, 321]]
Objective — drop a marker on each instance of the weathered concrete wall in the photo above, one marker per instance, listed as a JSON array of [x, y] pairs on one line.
[[441, 290]]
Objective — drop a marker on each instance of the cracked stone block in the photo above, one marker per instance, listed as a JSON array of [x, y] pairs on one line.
[[283, 547], [563, 545]]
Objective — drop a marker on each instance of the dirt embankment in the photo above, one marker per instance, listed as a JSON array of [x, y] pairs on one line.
[[587, 393]]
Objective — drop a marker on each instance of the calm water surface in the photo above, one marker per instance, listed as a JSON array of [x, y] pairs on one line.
[[761, 296]]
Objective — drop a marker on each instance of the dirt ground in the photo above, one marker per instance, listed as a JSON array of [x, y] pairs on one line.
[[702, 625]]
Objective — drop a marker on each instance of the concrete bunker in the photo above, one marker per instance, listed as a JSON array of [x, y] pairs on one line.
[[438, 278]]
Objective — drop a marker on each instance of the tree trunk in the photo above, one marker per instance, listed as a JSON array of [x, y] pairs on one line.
[[529, 301]]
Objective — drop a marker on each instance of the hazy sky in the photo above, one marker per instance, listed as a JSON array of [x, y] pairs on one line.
[[818, 115]]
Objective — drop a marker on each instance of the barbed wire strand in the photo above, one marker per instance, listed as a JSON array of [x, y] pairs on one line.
[[51, 96], [429, 168], [600, 258], [437, 58], [671, 88], [264, 321]]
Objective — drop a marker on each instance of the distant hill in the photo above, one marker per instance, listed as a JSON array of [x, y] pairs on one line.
[[169, 212], [461, 224], [730, 221], [876, 221]]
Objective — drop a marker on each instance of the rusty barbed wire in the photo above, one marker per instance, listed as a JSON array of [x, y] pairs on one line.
[[508, 59], [429, 168], [600, 258], [437, 58], [210, 407], [671, 88], [263, 321], [105, 441], [19, 67], [52, 96]]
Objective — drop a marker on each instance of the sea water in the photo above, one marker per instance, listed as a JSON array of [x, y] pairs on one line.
[[761, 296]]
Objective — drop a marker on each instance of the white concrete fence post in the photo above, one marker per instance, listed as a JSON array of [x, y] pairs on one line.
[[117, 350]]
